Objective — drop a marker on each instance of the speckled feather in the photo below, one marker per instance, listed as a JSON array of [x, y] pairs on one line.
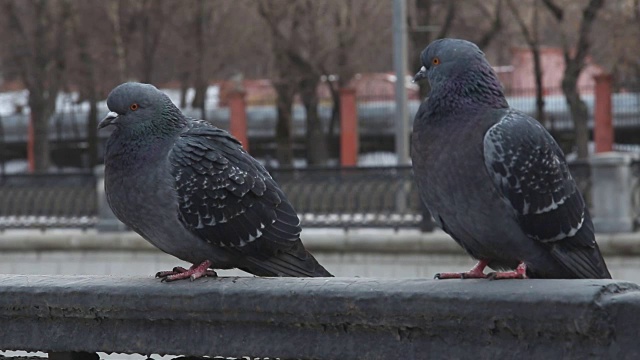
[[223, 190], [493, 177]]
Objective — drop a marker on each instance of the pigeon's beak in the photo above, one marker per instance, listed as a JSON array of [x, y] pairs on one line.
[[422, 74], [108, 120]]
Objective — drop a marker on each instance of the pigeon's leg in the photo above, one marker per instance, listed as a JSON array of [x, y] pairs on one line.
[[195, 271], [476, 272], [519, 273]]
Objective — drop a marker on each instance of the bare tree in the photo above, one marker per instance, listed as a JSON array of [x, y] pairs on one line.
[[87, 80], [530, 34], [432, 19], [152, 17], [420, 17], [574, 57], [113, 14], [285, 79], [347, 46], [37, 45]]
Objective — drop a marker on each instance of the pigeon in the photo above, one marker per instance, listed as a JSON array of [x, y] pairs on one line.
[[493, 178], [191, 190]]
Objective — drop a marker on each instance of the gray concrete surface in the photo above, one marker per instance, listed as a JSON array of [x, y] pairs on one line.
[[612, 188], [322, 318]]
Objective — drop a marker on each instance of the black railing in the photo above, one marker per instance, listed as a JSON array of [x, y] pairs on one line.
[[48, 200], [346, 198], [353, 196]]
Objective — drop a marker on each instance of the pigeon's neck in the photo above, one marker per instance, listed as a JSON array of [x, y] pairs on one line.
[[477, 88], [132, 147]]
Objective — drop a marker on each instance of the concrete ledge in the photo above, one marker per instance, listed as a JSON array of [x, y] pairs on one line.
[[337, 318]]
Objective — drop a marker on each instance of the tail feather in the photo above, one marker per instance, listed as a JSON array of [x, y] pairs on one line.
[[294, 262], [580, 254], [584, 262]]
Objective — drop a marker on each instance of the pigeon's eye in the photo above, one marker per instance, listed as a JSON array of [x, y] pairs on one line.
[[133, 107], [435, 61]]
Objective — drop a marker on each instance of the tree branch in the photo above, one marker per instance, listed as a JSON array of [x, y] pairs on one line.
[[496, 26], [555, 10]]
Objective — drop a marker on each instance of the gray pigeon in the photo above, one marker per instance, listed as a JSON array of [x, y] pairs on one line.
[[190, 189], [493, 178]]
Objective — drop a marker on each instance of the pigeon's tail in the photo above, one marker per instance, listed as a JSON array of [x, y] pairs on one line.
[[583, 262], [580, 255], [294, 262]]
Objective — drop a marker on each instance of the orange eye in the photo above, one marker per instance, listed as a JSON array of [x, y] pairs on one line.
[[133, 107], [435, 61]]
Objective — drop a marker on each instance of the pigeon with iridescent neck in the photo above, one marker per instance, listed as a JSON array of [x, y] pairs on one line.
[[493, 177]]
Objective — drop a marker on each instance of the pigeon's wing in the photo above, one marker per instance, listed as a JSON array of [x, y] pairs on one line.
[[530, 171], [227, 197]]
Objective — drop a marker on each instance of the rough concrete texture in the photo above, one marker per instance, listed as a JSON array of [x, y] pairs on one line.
[[337, 318]]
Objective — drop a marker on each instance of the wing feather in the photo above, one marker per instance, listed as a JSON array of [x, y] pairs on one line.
[[530, 171], [225, 196]]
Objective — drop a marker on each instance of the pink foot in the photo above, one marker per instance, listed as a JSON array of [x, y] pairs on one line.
[[194, 272], [477, 272], [519, 273]]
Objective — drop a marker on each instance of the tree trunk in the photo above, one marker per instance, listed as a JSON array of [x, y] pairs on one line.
[[574, 65], [419, 38], [335, 110], [184, 87], [315, 135], [579, 115], [201, 83], [42, 61], [284, 102], [147, 43], [537, 70], [89, 88], [113, 13], [531, 37]]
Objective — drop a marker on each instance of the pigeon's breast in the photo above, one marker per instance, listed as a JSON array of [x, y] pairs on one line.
[[144, 198], [448, 162]]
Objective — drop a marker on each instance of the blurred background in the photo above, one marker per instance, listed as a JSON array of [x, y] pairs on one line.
[[321, 92], [61, 58]]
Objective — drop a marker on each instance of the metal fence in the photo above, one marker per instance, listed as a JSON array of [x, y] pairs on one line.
[[353, 197], [48, 200], [323, 197]]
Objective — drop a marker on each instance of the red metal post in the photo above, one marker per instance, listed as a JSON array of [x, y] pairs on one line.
[[30, 144], [348, 127], [603, 119], [238, 117]]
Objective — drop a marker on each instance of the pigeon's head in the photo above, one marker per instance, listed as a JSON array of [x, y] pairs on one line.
[[444, 59], [134, 104]]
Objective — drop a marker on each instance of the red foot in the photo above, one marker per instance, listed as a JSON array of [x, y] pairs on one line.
[[194, 272], [477, 272], [519, 273]]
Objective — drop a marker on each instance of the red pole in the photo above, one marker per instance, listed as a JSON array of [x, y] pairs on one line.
[[238, 117], [603, 119], [30, 144], [348, 127]]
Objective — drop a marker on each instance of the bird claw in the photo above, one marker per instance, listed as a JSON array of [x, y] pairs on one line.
[[477, 272], [450, 275], [193, 273], [519, 273]]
